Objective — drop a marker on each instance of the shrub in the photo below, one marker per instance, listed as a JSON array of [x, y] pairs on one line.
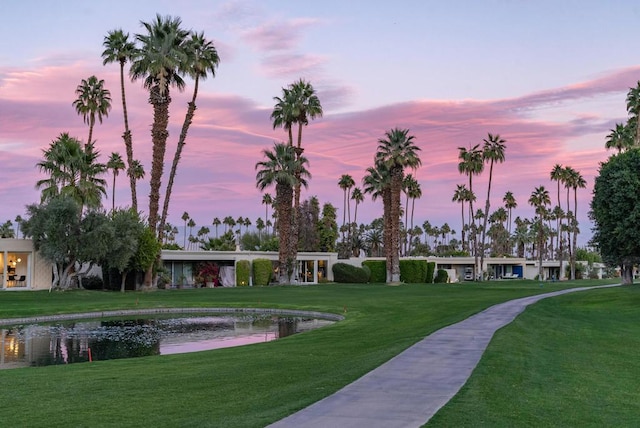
[[431, 269], [262, 272], [243, 271], [413, 271], [367, 271], [92, 282], [442, 277], [378, 269], [343, 272]]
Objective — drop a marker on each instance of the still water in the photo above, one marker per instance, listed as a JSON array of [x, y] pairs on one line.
[[80, 341]]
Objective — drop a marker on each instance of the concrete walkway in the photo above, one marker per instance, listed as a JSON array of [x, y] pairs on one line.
[[410, 388]]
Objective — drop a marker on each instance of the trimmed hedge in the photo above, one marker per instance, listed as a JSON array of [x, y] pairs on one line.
[[243, 271], [378, 269], [413, 271], [431, 268], [343, 272], [442, 277], [262, 272]]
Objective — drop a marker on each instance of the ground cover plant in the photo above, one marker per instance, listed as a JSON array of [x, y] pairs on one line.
[[570, 361], [248, 386]]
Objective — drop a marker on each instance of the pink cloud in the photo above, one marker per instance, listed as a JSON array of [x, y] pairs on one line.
[[216, 176], [292, 65]]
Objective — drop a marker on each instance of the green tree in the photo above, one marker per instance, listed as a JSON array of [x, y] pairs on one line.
[[492, 152], [328, 229], [279, 169], [93, 101], [128, 229], [397, 151], [118, 48], [471, 163], [615, 212], [201, 60], [115, 164], [6, 230]]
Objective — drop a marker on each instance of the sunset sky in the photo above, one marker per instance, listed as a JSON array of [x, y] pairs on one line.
[[550, 77]]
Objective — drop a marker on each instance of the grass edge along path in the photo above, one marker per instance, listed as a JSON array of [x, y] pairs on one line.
[[566, 361], [246, 386]]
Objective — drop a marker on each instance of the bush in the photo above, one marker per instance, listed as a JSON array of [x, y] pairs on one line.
[[442, 277], [243, 271], [431, 269], [378, 269], [92, 282], [262, 272], [413, 271], [349, 274]]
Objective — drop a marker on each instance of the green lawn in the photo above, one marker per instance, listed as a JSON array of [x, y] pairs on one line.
[[246, 386], [570, 361]]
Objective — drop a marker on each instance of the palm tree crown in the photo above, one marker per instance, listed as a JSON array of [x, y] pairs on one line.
[[93, 101]]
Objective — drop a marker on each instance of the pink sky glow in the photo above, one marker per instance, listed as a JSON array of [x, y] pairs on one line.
[[544, 124]]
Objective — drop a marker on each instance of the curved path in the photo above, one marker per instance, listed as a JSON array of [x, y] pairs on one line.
[[410, 388]]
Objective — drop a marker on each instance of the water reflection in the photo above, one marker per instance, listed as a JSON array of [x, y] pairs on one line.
[[71, 342]]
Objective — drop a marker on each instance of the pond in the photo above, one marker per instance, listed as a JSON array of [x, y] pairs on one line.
[[32, 345]]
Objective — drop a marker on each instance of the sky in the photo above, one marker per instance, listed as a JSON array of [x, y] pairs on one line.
[[550, 77]]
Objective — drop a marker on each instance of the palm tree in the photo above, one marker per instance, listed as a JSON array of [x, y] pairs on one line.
[[377, 182], [282, 114], [160, 62], [18, 221], [471, 163], [280, 167], [191, 223], [492, 152], [459, 195], [216, 222], [620, 138], [539, 199], [358, 197], [633, 108], [510, 204], [228, 222], [73, 171], [202, 59], [118, 48], [115, 164], [557, 174], [575, 181], [345, 183], [413, 191], [185, 217], [135, 173], [93, 100], [267, 200], [396, 151]]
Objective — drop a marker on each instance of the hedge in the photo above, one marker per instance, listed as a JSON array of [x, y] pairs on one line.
[[243, 270], [442, 276], [346, 273], [262, 271], [431, 268], [413, 271], [378, 270]]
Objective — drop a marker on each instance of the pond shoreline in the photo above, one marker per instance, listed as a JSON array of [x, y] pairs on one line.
[[162, 311]]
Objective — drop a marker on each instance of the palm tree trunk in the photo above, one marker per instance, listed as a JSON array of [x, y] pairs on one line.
[[569, 250], [464, 244], [394, 254], [284, 199], [575, 232], [113, 193], [128, 144], [188, 119]]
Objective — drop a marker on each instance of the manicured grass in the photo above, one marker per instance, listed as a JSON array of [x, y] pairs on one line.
[[235, 387], [570, 361]]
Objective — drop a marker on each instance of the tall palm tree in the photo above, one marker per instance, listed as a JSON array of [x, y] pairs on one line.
[[185, 217], [306, 105], [118, 48], [216, 222], [510, 204], [459, 196], [358, 197], [202, 60], [18, 221], [93, 101], [575, 181], [160, 62], [282, 114], [558, 174], [267, 201], [396, 151], [115, 164], [73, 170], [412, 191], [191, 223], [346, 183], [377, 183], [492, 152], [279, 169], [471, 163], [539, 199]]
